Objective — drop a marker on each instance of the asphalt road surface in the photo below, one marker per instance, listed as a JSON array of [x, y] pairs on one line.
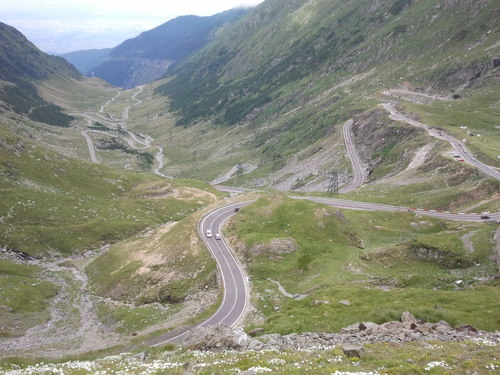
[[356, 205], [234, 278], [359, 176], [457, 145]]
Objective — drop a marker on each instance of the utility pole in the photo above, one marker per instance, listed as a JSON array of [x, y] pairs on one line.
[[333, 183], [239, 170]]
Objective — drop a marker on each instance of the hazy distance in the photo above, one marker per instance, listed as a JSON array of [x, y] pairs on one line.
[[59, 26]]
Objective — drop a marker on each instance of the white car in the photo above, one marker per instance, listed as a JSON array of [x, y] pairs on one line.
[[209, 233], [217, 236]]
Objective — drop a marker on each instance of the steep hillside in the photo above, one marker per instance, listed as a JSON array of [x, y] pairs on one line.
[[22, 66], [278, 52], [85, 60], [70, 194], [277, 87], [150, 55]]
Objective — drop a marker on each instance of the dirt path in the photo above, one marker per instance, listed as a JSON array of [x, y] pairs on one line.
[[285, 293], [411, 96]]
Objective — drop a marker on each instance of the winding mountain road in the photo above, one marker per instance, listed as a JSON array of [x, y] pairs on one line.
[[234, 278], [359, 176], [119, 126], [366, 206], [247, 168], [458, 146]]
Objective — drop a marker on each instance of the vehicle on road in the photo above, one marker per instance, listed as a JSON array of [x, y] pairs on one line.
[[209, 233], [485, 216], [236, 209], [217, 236]]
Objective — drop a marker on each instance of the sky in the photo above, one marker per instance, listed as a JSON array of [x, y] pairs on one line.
[[59, 26]]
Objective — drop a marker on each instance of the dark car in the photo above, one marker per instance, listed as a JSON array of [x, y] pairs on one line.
[[485, 217], [236, 209]]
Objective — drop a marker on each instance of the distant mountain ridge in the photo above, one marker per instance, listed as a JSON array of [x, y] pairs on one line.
[[22, 66], [150, 55], [85, 60]]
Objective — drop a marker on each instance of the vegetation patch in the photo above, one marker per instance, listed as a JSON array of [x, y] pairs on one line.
[[163, 267], [55, 205], [380, 358], [24, 298], [369, 259]]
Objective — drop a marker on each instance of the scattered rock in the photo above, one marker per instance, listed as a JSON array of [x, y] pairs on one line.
[[353, 351], [368, 327], [352, 329], [255, 332], [219, 337], [466, 328], [383, 288], [409, 321], [6, 308], [318, 302], [345, 302], [277, 246], [353, 337]]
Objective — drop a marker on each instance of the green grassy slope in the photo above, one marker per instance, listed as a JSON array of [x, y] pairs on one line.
[[279, 85], [55, 205], [24, 297], [391, 358], [277, 48], [22, 66], [383, 263]]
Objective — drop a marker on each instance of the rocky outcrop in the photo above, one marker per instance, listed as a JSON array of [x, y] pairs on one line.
[[407, 329], [276, 246], [214, 338]]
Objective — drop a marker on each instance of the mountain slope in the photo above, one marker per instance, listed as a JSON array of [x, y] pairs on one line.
[[85, 60], [286, 77], [150, 55], [22, 66], [278, 46]]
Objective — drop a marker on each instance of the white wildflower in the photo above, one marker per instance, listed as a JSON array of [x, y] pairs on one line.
[[277, 361], [431, 365], [335, 359], [259, 369], [483, 341]]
